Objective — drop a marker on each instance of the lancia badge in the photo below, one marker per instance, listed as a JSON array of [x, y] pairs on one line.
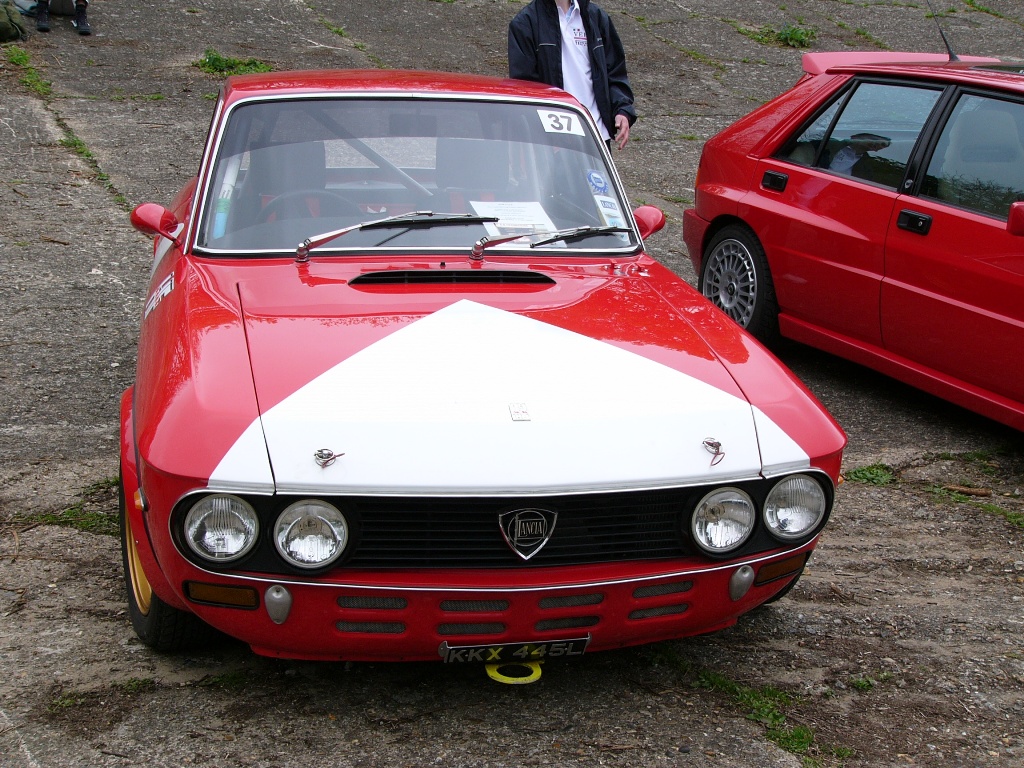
[[527, 530]]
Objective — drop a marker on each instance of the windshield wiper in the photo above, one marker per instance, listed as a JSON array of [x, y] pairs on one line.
[[564, 235], [577, 233], [410, 220]]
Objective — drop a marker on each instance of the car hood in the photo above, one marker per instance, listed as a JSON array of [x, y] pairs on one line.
[[497, 394]]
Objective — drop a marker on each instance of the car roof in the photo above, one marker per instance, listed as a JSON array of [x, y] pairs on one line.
[[969, 70], [391, 82]]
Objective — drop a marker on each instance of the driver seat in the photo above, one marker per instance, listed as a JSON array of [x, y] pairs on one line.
[[280, 169]]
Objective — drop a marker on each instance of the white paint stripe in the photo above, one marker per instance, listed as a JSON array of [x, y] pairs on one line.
[[427, 410]]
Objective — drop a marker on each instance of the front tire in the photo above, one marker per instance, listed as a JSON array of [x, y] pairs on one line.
[[159, 625], [736, 278]]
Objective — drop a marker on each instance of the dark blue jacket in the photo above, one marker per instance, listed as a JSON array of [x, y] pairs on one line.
[[535, 53]]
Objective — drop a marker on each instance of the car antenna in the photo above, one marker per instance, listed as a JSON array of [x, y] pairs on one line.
[[942, 34]]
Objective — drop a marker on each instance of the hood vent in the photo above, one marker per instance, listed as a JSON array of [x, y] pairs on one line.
[[451, 277]]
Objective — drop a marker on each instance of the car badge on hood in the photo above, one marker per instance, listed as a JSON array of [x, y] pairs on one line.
[[527, 530], [714, 447], [324, 457]]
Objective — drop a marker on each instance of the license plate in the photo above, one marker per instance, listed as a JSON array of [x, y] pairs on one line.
[[513, 652]]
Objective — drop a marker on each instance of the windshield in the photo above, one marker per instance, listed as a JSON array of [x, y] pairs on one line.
[[287, 171]]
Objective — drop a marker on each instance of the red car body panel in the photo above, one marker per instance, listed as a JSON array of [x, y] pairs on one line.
[[942, 313], [229, 344]]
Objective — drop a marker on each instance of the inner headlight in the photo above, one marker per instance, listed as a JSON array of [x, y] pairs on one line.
[[311, 534], [723, 520], [794, 507], [221, 528]]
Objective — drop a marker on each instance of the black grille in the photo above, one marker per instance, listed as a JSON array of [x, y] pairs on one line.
[[464, 533], [475, 606], [372, 627], [571, 601], [373, 603], [572, 622]]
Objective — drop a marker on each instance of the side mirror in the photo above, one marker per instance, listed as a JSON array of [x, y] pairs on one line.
[[155, 220], [1015, 221], [649, 220]]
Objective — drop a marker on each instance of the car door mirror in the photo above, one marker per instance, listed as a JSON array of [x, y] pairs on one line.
[[649, 219], [153, 220], [1015, 221]]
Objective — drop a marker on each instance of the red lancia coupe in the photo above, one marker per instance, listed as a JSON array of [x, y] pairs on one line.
[[410, 387]]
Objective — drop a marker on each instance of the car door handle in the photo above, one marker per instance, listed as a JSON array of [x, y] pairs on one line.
[[774, 180], [914, 222]]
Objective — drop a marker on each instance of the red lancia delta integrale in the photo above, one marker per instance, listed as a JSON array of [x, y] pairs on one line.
[[876, 211]]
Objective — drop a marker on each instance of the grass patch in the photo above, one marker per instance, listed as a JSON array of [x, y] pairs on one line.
[[795, 36], [235, 680], [30, 77], [1015, 519], [863, 34], [874, 474], [678, 200], [79, 147], [339, 31], [65, 701], [214, 63], [766, 705], [95, 511], [136, 685], [790, 36]]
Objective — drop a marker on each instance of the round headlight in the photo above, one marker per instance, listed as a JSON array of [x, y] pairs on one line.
[[723, 520], [311, 534], [794, 507], [221, 528]]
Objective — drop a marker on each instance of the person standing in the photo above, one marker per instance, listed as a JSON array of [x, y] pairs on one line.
[[572, 44], [79, 22]]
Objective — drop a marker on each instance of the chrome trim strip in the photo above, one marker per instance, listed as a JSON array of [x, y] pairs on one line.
[[293, 581], [495, 493]]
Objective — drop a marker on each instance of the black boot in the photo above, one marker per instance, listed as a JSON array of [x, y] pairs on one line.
[[43, 16], [81, 22]]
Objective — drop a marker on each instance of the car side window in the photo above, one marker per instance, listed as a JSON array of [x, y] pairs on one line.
[[978, 162], [871, 138]]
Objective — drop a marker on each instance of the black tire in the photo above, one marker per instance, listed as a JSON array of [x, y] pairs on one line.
[[735, 277], [158, 625]]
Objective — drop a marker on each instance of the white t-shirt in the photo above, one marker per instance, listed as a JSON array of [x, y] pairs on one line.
[[576, 63]]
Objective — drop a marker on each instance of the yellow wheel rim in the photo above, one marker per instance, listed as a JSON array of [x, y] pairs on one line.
[[141, 589]]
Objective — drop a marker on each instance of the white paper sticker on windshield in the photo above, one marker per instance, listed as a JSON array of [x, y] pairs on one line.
[[527, 218], [560, 122]]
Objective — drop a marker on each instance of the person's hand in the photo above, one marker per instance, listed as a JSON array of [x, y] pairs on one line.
[[621, 130]]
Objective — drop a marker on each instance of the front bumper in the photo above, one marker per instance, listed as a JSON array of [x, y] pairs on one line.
[[407, 616]]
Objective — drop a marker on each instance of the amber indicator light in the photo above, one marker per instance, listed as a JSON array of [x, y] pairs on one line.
[[218, 594], [781, 568]]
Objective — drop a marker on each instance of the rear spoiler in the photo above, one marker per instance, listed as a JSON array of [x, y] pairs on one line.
[[819, 62]]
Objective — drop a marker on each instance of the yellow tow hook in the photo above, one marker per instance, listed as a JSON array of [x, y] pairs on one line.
[[515, 672]]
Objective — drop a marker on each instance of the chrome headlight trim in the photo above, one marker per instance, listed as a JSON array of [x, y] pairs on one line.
[[795, 508], [723, 520], [221, 528], [311, 534]]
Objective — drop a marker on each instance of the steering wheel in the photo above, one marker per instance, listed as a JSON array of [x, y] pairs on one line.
[[294, 205]]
